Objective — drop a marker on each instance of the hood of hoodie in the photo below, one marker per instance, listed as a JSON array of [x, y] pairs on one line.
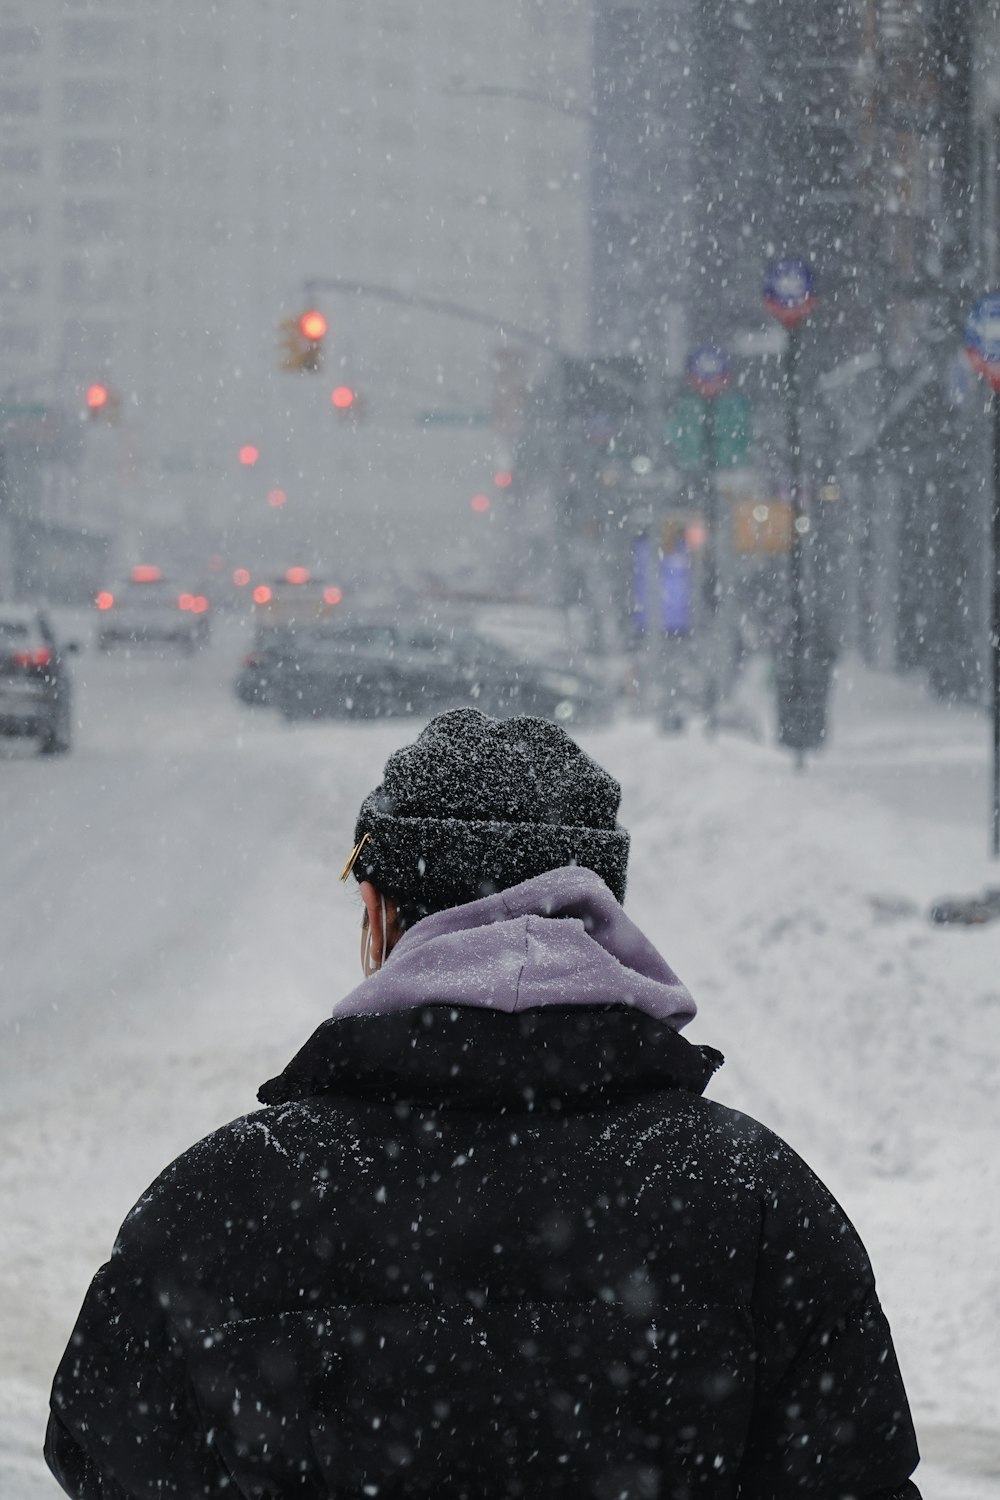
[[560, 939], [543, 995]]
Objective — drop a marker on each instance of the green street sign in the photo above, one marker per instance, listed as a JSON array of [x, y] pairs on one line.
[[686, 430], [732, 430], [470, 418]]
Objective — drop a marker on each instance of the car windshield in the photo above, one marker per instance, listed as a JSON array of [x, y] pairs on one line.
[[348, 636]]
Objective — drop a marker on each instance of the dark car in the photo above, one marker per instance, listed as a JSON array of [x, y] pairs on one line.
[[376, 668], [35, 685]]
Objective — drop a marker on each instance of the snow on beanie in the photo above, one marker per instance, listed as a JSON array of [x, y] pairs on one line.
[[476, 805]]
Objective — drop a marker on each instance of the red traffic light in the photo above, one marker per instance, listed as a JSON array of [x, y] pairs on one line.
[[312, 325], [342, 397], [97, 396], [249, 455]]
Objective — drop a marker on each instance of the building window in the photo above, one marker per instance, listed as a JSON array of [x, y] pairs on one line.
[[89, 219], [25, 101], [93, 101], [21, 161], [86, 281], [18, 281], [19, 41], [94, 41], [19, 338], [17, 220], [88, 342], [91, 161]]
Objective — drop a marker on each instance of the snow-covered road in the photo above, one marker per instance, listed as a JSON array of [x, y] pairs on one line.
[[173, 926]]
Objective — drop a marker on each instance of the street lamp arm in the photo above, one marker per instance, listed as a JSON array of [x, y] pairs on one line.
[[530, 96], [443, 306]]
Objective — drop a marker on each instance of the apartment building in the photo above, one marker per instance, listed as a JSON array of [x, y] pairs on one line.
[[178, 176]]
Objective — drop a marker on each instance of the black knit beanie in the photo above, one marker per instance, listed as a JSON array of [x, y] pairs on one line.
[[478, 804]]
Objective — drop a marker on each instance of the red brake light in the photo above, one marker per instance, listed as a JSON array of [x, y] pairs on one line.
[[241, 577], [297, 575], [185, 601], [199, 604], [333, 595], [104, 600], [146, 574], [261, 594], [39, 658]]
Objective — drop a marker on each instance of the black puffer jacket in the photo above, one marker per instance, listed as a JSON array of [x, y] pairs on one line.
[[464, 1253]]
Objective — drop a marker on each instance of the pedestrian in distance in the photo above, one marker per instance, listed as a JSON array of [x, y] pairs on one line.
[[487, 1237]]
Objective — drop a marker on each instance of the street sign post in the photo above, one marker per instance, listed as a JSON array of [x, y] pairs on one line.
[[790, 296], [982, 346], [708, 374]]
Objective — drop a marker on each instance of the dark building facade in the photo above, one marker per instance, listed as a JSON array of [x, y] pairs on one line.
[[729, 134]]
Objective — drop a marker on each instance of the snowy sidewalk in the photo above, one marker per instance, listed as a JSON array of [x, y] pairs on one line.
[[794, 905]]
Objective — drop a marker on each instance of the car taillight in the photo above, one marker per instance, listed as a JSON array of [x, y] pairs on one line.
[[104, 600], [39, 658], [199, 604], [185, 601]]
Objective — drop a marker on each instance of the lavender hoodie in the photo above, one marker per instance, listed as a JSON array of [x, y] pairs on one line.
[[558, 939]]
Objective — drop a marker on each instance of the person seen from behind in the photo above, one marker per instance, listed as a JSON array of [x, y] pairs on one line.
[[487, 1237]]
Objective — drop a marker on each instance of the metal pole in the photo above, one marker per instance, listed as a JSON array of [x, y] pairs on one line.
[[795, 558], [712, 519], [995, 626]]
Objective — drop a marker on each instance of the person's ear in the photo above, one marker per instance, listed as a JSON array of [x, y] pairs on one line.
[[374, 906]]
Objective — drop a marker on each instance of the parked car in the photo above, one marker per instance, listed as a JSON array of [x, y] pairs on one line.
[[36, 690], [375, 668], [146, 607]]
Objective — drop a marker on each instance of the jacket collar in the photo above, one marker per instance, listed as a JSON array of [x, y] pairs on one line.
[[559, 1058]]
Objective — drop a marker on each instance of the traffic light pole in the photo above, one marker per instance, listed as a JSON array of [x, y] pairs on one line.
[[714, 559], [995, 627], [796, 578]]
